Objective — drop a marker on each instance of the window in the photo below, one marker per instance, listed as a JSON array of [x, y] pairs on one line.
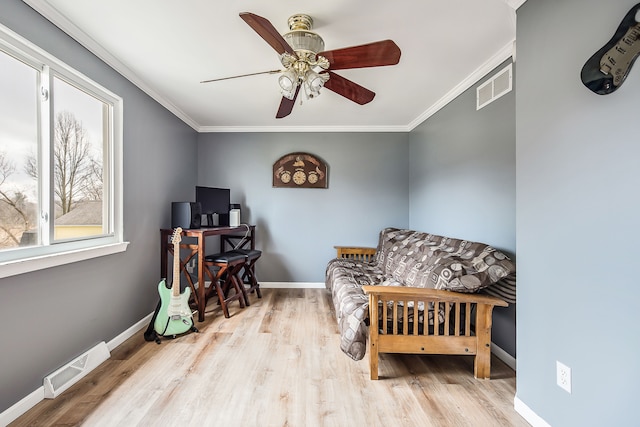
[[60, 161]]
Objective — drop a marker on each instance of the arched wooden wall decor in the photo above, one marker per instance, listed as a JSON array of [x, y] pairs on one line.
[[300, 170]]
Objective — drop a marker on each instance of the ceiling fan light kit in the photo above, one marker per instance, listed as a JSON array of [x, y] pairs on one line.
[[308, 66]]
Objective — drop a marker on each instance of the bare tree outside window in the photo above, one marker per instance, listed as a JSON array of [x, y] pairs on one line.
[[18, 215], [79, 152], [77, 173], [77, 178], [18, 136]]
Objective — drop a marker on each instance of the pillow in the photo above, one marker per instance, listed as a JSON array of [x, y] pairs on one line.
[[459, 274]]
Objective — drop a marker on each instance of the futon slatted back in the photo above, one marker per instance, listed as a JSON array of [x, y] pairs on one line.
[[356, 253]]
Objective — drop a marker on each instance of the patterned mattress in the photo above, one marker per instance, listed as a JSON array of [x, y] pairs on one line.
[[408, 258]]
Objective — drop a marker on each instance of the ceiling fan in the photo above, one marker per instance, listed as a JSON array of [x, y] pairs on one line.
[[307, 65]]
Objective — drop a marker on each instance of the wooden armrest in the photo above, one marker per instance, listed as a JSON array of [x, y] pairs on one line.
[[452, 331], [407, 293], [359, 253]]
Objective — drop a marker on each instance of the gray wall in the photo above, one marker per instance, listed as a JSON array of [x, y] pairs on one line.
[[578, 207], [297, 228], [58, 313], [462, 183]]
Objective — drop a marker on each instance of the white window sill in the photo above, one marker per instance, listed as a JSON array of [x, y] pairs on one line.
[[13, 268]]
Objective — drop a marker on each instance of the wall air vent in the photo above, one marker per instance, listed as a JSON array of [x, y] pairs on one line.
[[498, 85]]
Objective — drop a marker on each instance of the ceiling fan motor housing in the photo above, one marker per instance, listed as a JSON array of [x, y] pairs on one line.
[[301, 38]]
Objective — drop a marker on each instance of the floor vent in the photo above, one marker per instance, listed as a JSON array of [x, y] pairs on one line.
[[60, 380], [498, 85]]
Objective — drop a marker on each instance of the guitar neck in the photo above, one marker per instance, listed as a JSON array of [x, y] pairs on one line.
[[175, 286]]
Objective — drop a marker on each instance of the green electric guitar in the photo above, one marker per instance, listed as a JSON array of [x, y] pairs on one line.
[[174, 316]]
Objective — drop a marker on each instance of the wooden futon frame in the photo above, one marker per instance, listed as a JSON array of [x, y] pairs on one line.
[[466, 329]]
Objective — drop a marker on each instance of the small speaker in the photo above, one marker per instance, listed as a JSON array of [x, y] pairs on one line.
[[234, 215], [186, 214]]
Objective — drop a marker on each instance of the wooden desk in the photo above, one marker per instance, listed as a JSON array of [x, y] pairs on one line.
[[229, 238]]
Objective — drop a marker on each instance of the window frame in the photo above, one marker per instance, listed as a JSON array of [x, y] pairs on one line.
[[51, 254]]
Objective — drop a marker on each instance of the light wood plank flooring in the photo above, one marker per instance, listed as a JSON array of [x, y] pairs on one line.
[[277, 363]]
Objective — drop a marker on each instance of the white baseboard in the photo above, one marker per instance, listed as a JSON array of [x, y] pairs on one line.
[[12, 413], [504, 356], [526, 413], [129, 332], [292, 285]]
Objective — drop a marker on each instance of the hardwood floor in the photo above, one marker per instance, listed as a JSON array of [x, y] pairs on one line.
[[277, 363]]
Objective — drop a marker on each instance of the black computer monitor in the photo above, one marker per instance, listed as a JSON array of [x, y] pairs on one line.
[[214, 201]]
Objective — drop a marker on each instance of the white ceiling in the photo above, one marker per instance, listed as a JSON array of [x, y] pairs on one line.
[[168, 47]]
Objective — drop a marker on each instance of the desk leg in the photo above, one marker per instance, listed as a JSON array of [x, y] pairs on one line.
[[201, 289]]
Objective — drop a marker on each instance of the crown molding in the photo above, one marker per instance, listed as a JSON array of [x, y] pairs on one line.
[[515, 4], [497, 59], [213, 129], [64, 24]]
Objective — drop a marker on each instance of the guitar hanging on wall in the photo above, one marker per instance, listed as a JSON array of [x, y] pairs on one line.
[[174, 315], [607, 69]]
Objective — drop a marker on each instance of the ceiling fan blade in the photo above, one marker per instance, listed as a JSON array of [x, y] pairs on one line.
[[242, 75], [267, 31], [286, 105], [375, 54], [349, 89]]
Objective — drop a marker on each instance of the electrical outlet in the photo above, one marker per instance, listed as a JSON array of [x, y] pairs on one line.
[[563, 376], [191, 266]]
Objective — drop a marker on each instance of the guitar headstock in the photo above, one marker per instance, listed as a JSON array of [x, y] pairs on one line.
[[177, 235]]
